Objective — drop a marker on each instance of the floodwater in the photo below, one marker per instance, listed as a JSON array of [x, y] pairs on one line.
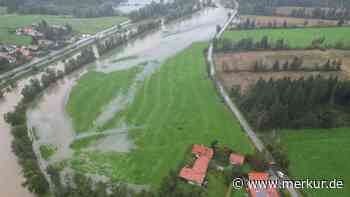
[[48, 117], [132, 5], [10, 171]]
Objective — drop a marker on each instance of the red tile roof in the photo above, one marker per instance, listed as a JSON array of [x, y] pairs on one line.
[[190, 175], [201, 164], [261, 192], [236, 159], [258, 176], [198, 171], [202, 151]]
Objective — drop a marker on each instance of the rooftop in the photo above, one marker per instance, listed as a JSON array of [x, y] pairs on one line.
[[198, 172], [236, 159], [261, 192], [201, 150]]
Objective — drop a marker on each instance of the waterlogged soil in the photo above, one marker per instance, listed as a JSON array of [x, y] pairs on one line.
[[54, 127]]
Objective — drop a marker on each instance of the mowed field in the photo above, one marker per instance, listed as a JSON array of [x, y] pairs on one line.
[[175, 107], [10, 22], [321, 154], [296, 38]]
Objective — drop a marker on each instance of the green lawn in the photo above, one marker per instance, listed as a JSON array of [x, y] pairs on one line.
[[216, 184], [296, 38], [320, 154], [177, 106], [93, 91], [10, 22]]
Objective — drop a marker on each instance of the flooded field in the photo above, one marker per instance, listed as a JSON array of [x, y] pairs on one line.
[[49, 119]]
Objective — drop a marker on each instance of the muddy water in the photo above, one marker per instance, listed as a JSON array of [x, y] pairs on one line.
[[49, 116], [10, 171]]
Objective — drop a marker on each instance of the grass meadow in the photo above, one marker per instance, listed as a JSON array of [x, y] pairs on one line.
[[10, 22], [176, 106], [321, 154], [296, 38], [93, 91]]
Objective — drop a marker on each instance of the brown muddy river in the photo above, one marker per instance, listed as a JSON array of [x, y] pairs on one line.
[[48, 115]]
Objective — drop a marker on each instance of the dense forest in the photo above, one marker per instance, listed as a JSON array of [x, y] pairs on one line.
[[315, 102]]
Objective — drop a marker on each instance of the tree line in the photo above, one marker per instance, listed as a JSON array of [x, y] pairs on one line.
[[35, 180], [170, 11], [315, 102], [296, 64], [115, 41], [249, 24], [267, 7], [252, 24], [249, 43], [322, 13]]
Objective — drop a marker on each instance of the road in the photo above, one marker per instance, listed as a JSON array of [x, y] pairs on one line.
[[234, 109], [56, 55]]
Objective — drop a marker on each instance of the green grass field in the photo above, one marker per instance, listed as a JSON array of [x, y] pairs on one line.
[[320, 154], [9, 23], [177, 106], [296, 38], [93, 92], [216, 184]]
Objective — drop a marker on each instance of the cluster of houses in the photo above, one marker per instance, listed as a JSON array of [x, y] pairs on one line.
[[50, 37], [11, 53], [42, 43], [196, 173], [29, 31]]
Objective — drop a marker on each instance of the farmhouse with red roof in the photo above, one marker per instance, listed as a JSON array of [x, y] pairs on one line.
[[197, 173], [261, 192], [236, 159]]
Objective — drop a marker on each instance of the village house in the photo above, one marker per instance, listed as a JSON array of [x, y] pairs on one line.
[[196, 174], [29, 31], [236, 159], [268, 191]]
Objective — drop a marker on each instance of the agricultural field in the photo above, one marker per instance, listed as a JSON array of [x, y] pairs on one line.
[[236, 69], [173, 108], [295, 38], [82, 111], [10, 22], [319, 154], [279, 20]]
